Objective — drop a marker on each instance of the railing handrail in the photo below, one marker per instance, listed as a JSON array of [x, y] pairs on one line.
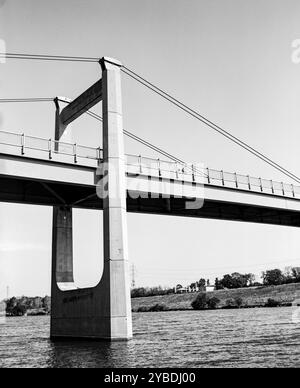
[[223, 178], [49, 141]]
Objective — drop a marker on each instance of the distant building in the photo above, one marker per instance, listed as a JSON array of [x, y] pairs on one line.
[[210, 288], [181, 290], [188, 290]]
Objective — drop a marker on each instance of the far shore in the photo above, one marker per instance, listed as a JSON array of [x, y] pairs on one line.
[[286, 295]]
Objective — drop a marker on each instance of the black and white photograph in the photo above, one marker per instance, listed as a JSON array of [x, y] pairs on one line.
[[149, 187]]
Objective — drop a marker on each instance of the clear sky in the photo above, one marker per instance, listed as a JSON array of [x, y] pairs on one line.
[[229, 59]]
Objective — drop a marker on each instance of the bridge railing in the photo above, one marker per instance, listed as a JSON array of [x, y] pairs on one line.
[[199, 174], [48, 146], [137, 165], [165, 169]]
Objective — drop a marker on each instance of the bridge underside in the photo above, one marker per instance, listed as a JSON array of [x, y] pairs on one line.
[[34, 192]]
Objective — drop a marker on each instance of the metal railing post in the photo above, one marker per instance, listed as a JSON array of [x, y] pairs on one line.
[[249, 182], [236, 180], [208, 176], [23, 144], [223, 180], [293, 190], [140, 164], [50, 148], [193, 173], [75, 152], [283, 190], [261, 185], [272, 187], [159, 167]]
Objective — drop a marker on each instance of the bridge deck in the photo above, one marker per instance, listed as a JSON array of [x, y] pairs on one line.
[[40, 171], [74, 154]]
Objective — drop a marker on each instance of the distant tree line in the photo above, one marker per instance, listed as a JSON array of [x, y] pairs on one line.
[[20, 306], [274, 277], [236, 280]]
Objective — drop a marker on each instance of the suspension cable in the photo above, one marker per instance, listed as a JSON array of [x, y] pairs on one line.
[[209, 123]]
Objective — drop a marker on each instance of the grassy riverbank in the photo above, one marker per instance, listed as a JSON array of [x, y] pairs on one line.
[[251, 297]]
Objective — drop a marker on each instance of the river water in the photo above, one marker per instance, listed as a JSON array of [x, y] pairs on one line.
[[225, 338]]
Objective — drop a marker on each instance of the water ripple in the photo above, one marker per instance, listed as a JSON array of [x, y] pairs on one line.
[[232, 339]]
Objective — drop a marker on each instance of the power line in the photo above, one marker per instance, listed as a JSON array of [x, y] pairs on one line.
[[232, 267], [61, 58], [209, 123]]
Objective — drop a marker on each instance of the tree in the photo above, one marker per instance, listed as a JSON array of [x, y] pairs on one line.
[[19, 310], [273, 277], [10, 305], [228, 282], [296, 274], [236, 280], [37, 303], [46, 302], [242, 280], [218, 284], [202, 284], [193, 286], [250, 279], [200, 303]]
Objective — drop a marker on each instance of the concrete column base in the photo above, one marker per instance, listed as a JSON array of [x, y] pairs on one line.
[[86, 313]]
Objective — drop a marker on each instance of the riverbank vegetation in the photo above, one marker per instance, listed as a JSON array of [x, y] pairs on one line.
[[233, 291], [17, 307], [254, 297], [236, 280]]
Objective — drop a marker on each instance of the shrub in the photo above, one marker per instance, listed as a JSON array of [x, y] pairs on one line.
[[203, 303], [273, 303], [143, 309], [213, 303], [200, 303], [158, 307], [147, 292], [229, 303], [239, 302]]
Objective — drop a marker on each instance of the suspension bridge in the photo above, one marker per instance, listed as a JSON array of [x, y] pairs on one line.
[[65, 175]]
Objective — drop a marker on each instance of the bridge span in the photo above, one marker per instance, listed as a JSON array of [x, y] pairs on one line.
[[32, 172], [57, 173]]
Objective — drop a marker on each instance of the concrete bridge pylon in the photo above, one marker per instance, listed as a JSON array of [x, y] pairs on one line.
[[102, 312]]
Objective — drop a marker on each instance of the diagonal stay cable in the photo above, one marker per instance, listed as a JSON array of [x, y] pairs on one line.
[[47, 57], [158, 150], [193, 169], [209, 123]]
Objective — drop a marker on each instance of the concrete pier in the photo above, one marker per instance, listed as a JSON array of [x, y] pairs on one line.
[[114, 202], [63, 245], [102, 312]]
